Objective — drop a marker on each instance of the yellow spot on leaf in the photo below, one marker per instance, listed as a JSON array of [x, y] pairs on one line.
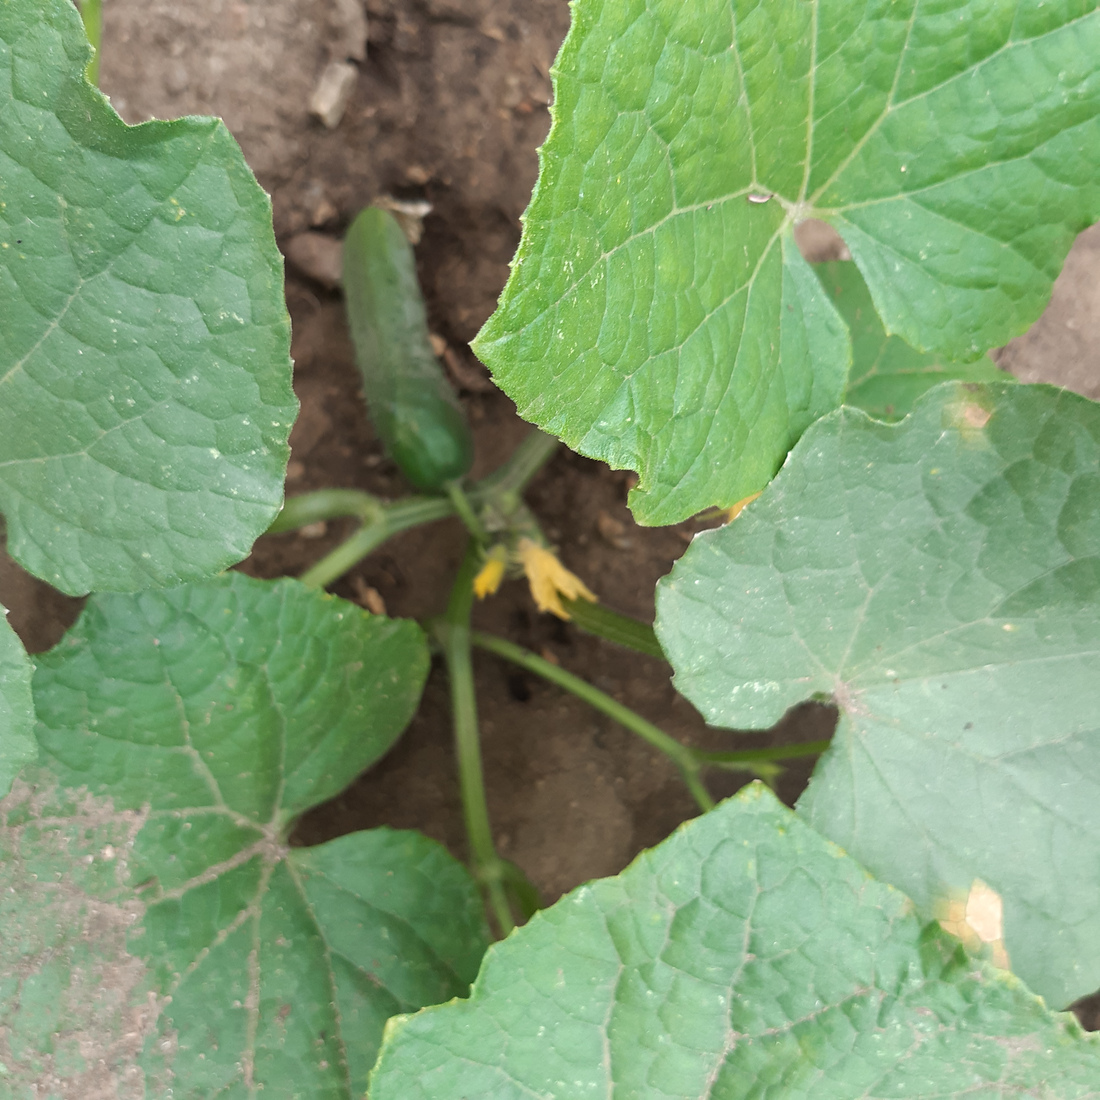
[[549, 579], [968, 418], [739, 507], [974, 416]]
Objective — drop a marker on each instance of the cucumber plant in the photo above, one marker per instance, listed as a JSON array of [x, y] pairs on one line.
[[916, 540], [414, 410]]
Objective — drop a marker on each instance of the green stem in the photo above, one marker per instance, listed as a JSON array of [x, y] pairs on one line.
[[738, 757], [534, 451], [394, 518], [464, 509], [324, 505], [346, 556], [381, 519], [489, 868], [683, 757], [594, 618], [92, 15]]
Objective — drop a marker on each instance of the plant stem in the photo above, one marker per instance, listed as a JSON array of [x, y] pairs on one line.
[[738, 758], [489, 868], [346, 556], [534, 451], [465, 512], [92, 15], [594, 618], [323, 505], [382, 519], [393, 518], [682, 756]]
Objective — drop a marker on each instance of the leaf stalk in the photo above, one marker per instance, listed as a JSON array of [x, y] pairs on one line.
[[690, 762], [489, 869], [391, 519], [682, 756], [381, 520]]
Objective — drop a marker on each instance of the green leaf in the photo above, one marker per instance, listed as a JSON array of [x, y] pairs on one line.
[[888, 375], [745, 956], [16, 706], [181, 732], [940, 580], [658, 315], [145, 399]]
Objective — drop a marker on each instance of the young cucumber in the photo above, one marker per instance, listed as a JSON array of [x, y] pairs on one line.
[[414, 409]]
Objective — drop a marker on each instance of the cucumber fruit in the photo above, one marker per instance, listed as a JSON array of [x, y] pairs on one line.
[[415, 411]]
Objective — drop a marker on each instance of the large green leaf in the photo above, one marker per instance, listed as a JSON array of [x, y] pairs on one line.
[[181, 732], [659, 316], [940, 580], [145, 398], [888, 375], [743, 957], [16, 707]]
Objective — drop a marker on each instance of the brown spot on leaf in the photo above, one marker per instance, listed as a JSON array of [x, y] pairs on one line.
[[977, 920], [974, 416]]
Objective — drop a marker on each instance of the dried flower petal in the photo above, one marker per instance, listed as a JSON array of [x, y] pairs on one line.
[[549, 579]]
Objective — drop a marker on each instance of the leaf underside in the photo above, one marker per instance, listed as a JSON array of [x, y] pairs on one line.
[[940, 580], [744, 956], [181, 732], [658, 315], [145, 399]]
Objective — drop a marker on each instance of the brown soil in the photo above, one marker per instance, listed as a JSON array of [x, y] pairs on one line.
[[449, 106]]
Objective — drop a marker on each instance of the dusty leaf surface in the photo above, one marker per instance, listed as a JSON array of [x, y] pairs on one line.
[[75, 1006], [16, 705], [939, 579], [744, 956], [182, 732], [145, 399], [659, 316]]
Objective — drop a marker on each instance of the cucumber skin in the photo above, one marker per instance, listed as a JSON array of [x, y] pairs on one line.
[[415, 411]]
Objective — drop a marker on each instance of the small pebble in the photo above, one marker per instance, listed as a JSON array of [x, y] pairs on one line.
[[612, 531], [330, 96]]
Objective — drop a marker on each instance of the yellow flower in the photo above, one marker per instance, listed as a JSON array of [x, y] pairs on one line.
[[549, 579], [492, 572]]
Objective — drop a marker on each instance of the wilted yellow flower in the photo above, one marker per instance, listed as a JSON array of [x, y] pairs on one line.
[[492, 572], [549, 579]]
